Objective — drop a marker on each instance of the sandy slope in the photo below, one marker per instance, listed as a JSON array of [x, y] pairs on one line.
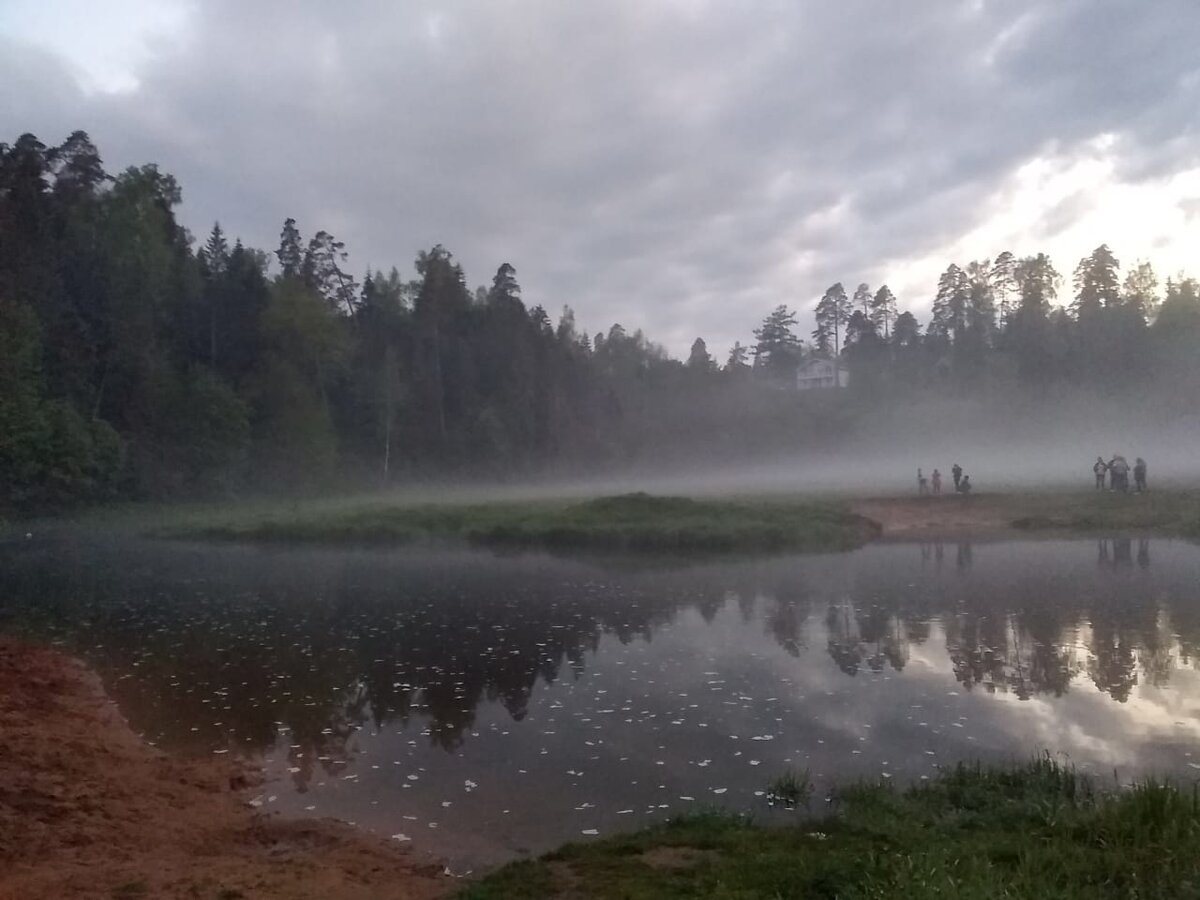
[[88, 810]]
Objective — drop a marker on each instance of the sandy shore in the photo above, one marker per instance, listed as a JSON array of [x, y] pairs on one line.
[[1171, 513], [914, 517], [89, 810]]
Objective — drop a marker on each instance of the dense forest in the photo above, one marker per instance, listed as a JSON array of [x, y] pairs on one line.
[[136, 361]]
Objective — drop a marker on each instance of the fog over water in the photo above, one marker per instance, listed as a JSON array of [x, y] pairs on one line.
[[1003, 445]]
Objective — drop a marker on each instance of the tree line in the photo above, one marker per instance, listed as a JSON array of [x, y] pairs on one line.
[[999, 321], [136, 361]]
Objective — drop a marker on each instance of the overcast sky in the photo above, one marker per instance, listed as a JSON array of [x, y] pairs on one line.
[[680, 166]]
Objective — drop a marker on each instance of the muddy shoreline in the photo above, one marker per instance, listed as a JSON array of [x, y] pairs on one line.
[[87, 809]]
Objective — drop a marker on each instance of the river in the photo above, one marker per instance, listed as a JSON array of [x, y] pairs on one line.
[[485, 706]]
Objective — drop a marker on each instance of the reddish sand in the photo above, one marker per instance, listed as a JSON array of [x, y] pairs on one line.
[[89, 810], [912, 517]]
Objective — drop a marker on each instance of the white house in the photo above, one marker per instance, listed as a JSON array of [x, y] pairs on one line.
[[821, 373]]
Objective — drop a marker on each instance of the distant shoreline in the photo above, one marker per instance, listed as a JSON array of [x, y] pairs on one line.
[[642, 523], [651, 524], [1174, 513]]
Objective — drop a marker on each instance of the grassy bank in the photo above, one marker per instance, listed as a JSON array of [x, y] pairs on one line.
[[1167, 512], [636, 522], [1038, 830], [639, 522]]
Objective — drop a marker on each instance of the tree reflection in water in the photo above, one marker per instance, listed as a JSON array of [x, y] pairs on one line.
[[214, 647]]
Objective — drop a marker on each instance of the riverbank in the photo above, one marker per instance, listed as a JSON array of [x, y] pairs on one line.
[[1172, 513], [89, 810], [628, 522], [1038, 830], [644, 523]]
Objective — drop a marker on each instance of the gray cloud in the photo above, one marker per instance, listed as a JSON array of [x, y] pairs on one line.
[[680, 167]]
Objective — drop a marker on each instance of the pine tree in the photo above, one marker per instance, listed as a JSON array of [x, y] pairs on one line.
[[1004, 285], [505, 291], [862, 299], [321, 269], [1037, 283], [1140, 290], [738, 360], [289, 253], [776, 348], [699, 359], [981, 301], [907, 332], [1097, 283], [832, 313], [883, 310], [214, 256], [77, 167], [950, 304]]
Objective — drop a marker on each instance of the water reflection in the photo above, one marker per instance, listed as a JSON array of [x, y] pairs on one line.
[[963, 561], [518, 661], [344, 640]]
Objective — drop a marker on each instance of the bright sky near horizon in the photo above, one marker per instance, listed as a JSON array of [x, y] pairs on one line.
[[680, 167]]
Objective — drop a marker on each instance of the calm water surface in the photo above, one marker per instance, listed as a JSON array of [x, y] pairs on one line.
[[486, 707]]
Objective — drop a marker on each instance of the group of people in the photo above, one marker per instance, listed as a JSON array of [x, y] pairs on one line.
[[933, 484], [1117, 472]]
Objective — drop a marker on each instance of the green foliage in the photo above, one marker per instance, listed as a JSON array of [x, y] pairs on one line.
[[49, 455], [630, 522], [139, 363], [832, 314], [790, 789], [204, 430], [1038, 830], [81, 460], [293, 436]]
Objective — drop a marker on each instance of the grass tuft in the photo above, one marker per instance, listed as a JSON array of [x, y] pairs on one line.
[[791, 789], [1039, 829]]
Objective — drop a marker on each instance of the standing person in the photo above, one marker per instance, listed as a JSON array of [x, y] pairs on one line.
[[1118, 468], [937, 482], [1100, 469], [1139, 475], [922, 490], [956, 474]]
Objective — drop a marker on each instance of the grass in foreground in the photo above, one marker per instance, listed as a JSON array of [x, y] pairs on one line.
[[637, 522], [1033, 831], [790, 789]]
